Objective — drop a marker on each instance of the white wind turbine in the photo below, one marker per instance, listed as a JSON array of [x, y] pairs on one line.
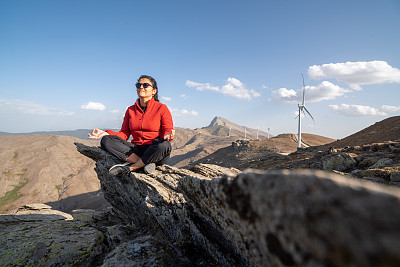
[[302, 107]]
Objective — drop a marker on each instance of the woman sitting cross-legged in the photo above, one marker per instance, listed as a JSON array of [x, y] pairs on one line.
[[151, 126]]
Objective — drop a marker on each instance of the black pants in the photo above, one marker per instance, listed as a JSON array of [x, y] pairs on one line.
[[158, 152]]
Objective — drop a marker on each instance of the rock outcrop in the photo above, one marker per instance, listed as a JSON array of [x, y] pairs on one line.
[[218, 216], [36, 235], [378, 162]]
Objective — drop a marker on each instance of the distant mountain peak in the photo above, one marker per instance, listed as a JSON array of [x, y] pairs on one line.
[[220, 121], [236, 129]]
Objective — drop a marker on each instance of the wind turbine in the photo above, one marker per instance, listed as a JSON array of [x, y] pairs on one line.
[[302, 107], [258, 128]]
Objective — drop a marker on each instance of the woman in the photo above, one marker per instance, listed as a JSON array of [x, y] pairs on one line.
[[151, 126]]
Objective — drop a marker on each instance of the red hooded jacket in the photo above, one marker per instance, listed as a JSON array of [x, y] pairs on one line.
[[145, 127]]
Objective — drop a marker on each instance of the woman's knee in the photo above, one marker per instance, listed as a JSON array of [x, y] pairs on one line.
[[160, 148], [105, 141], [165, 146]]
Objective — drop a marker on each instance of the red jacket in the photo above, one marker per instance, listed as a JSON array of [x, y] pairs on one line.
[[145, 127]]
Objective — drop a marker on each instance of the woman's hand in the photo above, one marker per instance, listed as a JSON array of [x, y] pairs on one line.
[[97, 134], [170, 136]]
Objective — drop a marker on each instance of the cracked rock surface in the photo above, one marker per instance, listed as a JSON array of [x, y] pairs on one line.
[[212, 216], [221, 216]]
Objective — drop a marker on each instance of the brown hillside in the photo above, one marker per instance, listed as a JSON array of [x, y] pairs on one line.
[[385, 130], [47, 169], [192, 145], [251, 150], [375, 151]]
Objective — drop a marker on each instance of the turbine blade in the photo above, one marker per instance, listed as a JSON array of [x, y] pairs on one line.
[[309, 114]]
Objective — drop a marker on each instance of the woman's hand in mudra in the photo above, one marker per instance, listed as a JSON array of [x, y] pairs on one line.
[[97, 134], [170, 136]]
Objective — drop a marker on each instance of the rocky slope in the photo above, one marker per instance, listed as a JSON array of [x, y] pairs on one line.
[[375, 158], [241, 152], [255, 218], [385, 130], [378, 162], [178, 217]]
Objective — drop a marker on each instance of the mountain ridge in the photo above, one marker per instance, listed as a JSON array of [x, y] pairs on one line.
[[218, 126]]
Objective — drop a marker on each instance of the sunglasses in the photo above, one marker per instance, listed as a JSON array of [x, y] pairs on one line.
[[145, 85]]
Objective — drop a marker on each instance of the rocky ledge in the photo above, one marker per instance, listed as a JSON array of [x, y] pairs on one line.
[[36, 235], [211, 215]]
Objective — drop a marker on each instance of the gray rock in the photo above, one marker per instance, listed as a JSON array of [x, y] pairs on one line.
[[339, 162], [376, 173], [382, 163], [35, 212], [141, 251], [376, 180], [35, 206], [395, 177], [138, 252], [291, 218], [240, 144], [356, 173], [32, 241]]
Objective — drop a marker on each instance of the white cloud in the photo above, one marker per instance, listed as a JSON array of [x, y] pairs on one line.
[[233, 87], [390, 109], [356, 73], [324, 91], [165, 98], [184, 96], [183, 112], [201, 86], [28, 107], [93, 106], [357, 110], [284, 95], [114, 111]]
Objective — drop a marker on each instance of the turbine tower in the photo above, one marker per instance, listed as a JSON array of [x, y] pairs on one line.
[[258, 128], [302, 107]]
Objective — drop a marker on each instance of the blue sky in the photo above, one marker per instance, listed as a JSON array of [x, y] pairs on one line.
[[67, 65]]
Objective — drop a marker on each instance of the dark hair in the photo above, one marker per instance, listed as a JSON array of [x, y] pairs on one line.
[[153, 82]]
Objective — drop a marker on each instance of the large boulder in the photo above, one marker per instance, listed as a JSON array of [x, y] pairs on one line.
[[259, 218], [339, 162]]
